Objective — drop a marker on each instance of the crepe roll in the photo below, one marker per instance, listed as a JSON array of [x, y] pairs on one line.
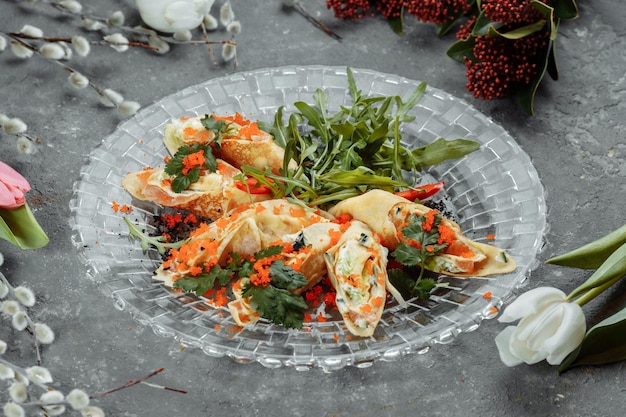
[[242, 143], [357, 269]]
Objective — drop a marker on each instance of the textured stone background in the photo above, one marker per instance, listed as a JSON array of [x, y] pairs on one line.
[[576, 141]]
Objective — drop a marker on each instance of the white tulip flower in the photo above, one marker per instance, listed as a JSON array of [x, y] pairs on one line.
[[550, 328], [172, 16]]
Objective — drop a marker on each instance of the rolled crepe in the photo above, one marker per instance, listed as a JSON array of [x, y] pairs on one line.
[[211, 196], [242, 142], [245, 230], [357, 268], [387, 214]]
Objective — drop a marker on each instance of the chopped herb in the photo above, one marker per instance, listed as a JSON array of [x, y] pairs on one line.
[[410, 284], [187, 165], [277, 305]]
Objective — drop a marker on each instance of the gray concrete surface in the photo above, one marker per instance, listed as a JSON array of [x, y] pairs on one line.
[[576, 141]]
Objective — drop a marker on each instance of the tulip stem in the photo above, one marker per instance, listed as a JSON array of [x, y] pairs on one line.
[[594, 292]]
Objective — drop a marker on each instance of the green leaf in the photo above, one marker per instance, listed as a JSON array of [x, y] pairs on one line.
[[525, 97], [443, 149], [519, 32], [593, 254], [202, 283], [284, 276], [611, 270], [20, 227], [482, 25], [565, 9], [277, 305], [397, 23], [603, 343], [462, 49]]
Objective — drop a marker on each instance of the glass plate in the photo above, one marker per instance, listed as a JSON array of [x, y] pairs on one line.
[[495, 191]]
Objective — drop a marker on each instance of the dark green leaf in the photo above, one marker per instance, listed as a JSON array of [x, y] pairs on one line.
[[277, 305], [397, 23], [518, 33], [603, 343], [284, 276], [462, 49], [442, 150], [525, 97], [202, 283], [565, 9]]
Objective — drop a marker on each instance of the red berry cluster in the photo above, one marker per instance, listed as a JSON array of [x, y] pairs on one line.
[[437, 11], [500, 66], [510, 11], [433, 11]]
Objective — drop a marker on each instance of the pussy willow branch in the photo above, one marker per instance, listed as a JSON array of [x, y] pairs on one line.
[[132, 382]]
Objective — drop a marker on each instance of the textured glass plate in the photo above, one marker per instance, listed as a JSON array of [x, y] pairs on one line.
[[495, 190]]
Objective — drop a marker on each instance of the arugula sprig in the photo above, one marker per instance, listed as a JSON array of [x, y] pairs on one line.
[[185, 175], [356, 149], [420, 245], [134, 232], [274, 302]]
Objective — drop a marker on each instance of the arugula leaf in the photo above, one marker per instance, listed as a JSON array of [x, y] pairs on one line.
[[200, 284], [355, 149]]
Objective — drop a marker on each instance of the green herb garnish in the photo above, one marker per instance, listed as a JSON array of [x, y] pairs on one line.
[[356, 149], [134, 232], [421, 243], [188, 163], [273, 301]]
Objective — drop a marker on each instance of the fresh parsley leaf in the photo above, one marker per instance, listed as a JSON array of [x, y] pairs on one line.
[[176, 168], [216, 126], [202, 283], [277, 305], [284, 276], [410, 284]]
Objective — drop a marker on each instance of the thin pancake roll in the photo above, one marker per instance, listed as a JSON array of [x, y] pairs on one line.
[[357, 268], [388, 215], [242, 143], [214, 194]]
